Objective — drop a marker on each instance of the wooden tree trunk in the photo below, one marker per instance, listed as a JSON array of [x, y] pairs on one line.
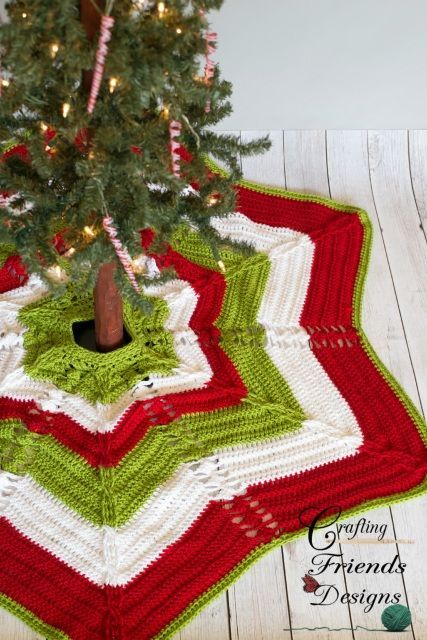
[[108, 303]]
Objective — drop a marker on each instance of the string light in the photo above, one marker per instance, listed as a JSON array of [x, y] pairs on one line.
[[161, 9], [71, 251], [5, 83], [54, 48], [165, 113], [43, 127], [213, 199], [91, 155], [179, 30], [24, 15], [221, 265], [66, 109], [113, 84], [139, 264], [89, 232]]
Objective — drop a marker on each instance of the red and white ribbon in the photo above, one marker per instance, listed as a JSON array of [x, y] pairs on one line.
[[107, 23], [175, 131], [210, 65], [122, 252]]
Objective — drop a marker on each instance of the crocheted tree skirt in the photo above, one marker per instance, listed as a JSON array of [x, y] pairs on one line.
[[137, 485]]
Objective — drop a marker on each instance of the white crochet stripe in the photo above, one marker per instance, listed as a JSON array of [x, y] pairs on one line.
[[175, 505], [8, 485], [291, 256], [193, 371]]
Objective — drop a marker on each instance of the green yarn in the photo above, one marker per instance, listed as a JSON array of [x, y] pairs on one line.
[[52, 354], [269, 411], [29, 618], [396, 617], [246, 279], [6, 250], [18, 446]]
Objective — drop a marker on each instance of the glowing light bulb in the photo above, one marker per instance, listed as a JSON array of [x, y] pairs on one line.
[[165, 112], [89, 232], [113, 84], [43, 127], [66, 109], [5, 83], [139, 264], [179, 30], [91, 155], [161, 9], [24, 15], [71, 251], [54, 48], [212, 200], [221, 265]]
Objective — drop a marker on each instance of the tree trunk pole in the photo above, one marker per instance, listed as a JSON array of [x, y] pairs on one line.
[[108, 305]]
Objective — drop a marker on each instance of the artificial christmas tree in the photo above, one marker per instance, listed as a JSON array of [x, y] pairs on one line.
[[103, 145]]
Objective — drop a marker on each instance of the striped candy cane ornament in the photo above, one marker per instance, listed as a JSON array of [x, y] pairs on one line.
[[175, 131], [122, 252], [107, 23], [210, 65]]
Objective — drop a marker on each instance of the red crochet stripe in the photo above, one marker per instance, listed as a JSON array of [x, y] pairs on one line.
[[391, 460], [13, 274], [49, 588]]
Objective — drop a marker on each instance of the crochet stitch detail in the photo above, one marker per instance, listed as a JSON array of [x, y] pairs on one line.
[[143, 509], [52, 354]]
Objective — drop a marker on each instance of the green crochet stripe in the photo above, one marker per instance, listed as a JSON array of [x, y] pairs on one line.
[[18, 446], [270, 411], [360, 280], [35, 623], [157, 456], [217, 589], [246, 280], [78, 485], [53, 355], [13, 142], [194, 608], [6, 250]]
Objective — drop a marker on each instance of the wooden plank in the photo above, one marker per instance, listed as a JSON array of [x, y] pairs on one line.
[[349, 180], [258, 606], [210, 624], [404, 240], [306, 171], [13, 629], [305, 162], [268, 167], [259, 599], [258, 603], [418, 168], [407, 255]]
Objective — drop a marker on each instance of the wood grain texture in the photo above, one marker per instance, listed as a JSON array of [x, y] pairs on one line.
[[407, 255], [385, 173], [348, 171], [306, 171]]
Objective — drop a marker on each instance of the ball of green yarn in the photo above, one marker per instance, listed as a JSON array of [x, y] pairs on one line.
[[396, 617]]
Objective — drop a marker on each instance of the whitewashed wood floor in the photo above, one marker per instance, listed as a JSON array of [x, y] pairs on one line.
[[385, 173]]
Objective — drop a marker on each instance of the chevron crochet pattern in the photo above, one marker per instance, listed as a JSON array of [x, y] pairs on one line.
[[135, 486]]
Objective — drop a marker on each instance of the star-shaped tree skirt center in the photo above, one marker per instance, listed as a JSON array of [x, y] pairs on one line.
[[136, 485]]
